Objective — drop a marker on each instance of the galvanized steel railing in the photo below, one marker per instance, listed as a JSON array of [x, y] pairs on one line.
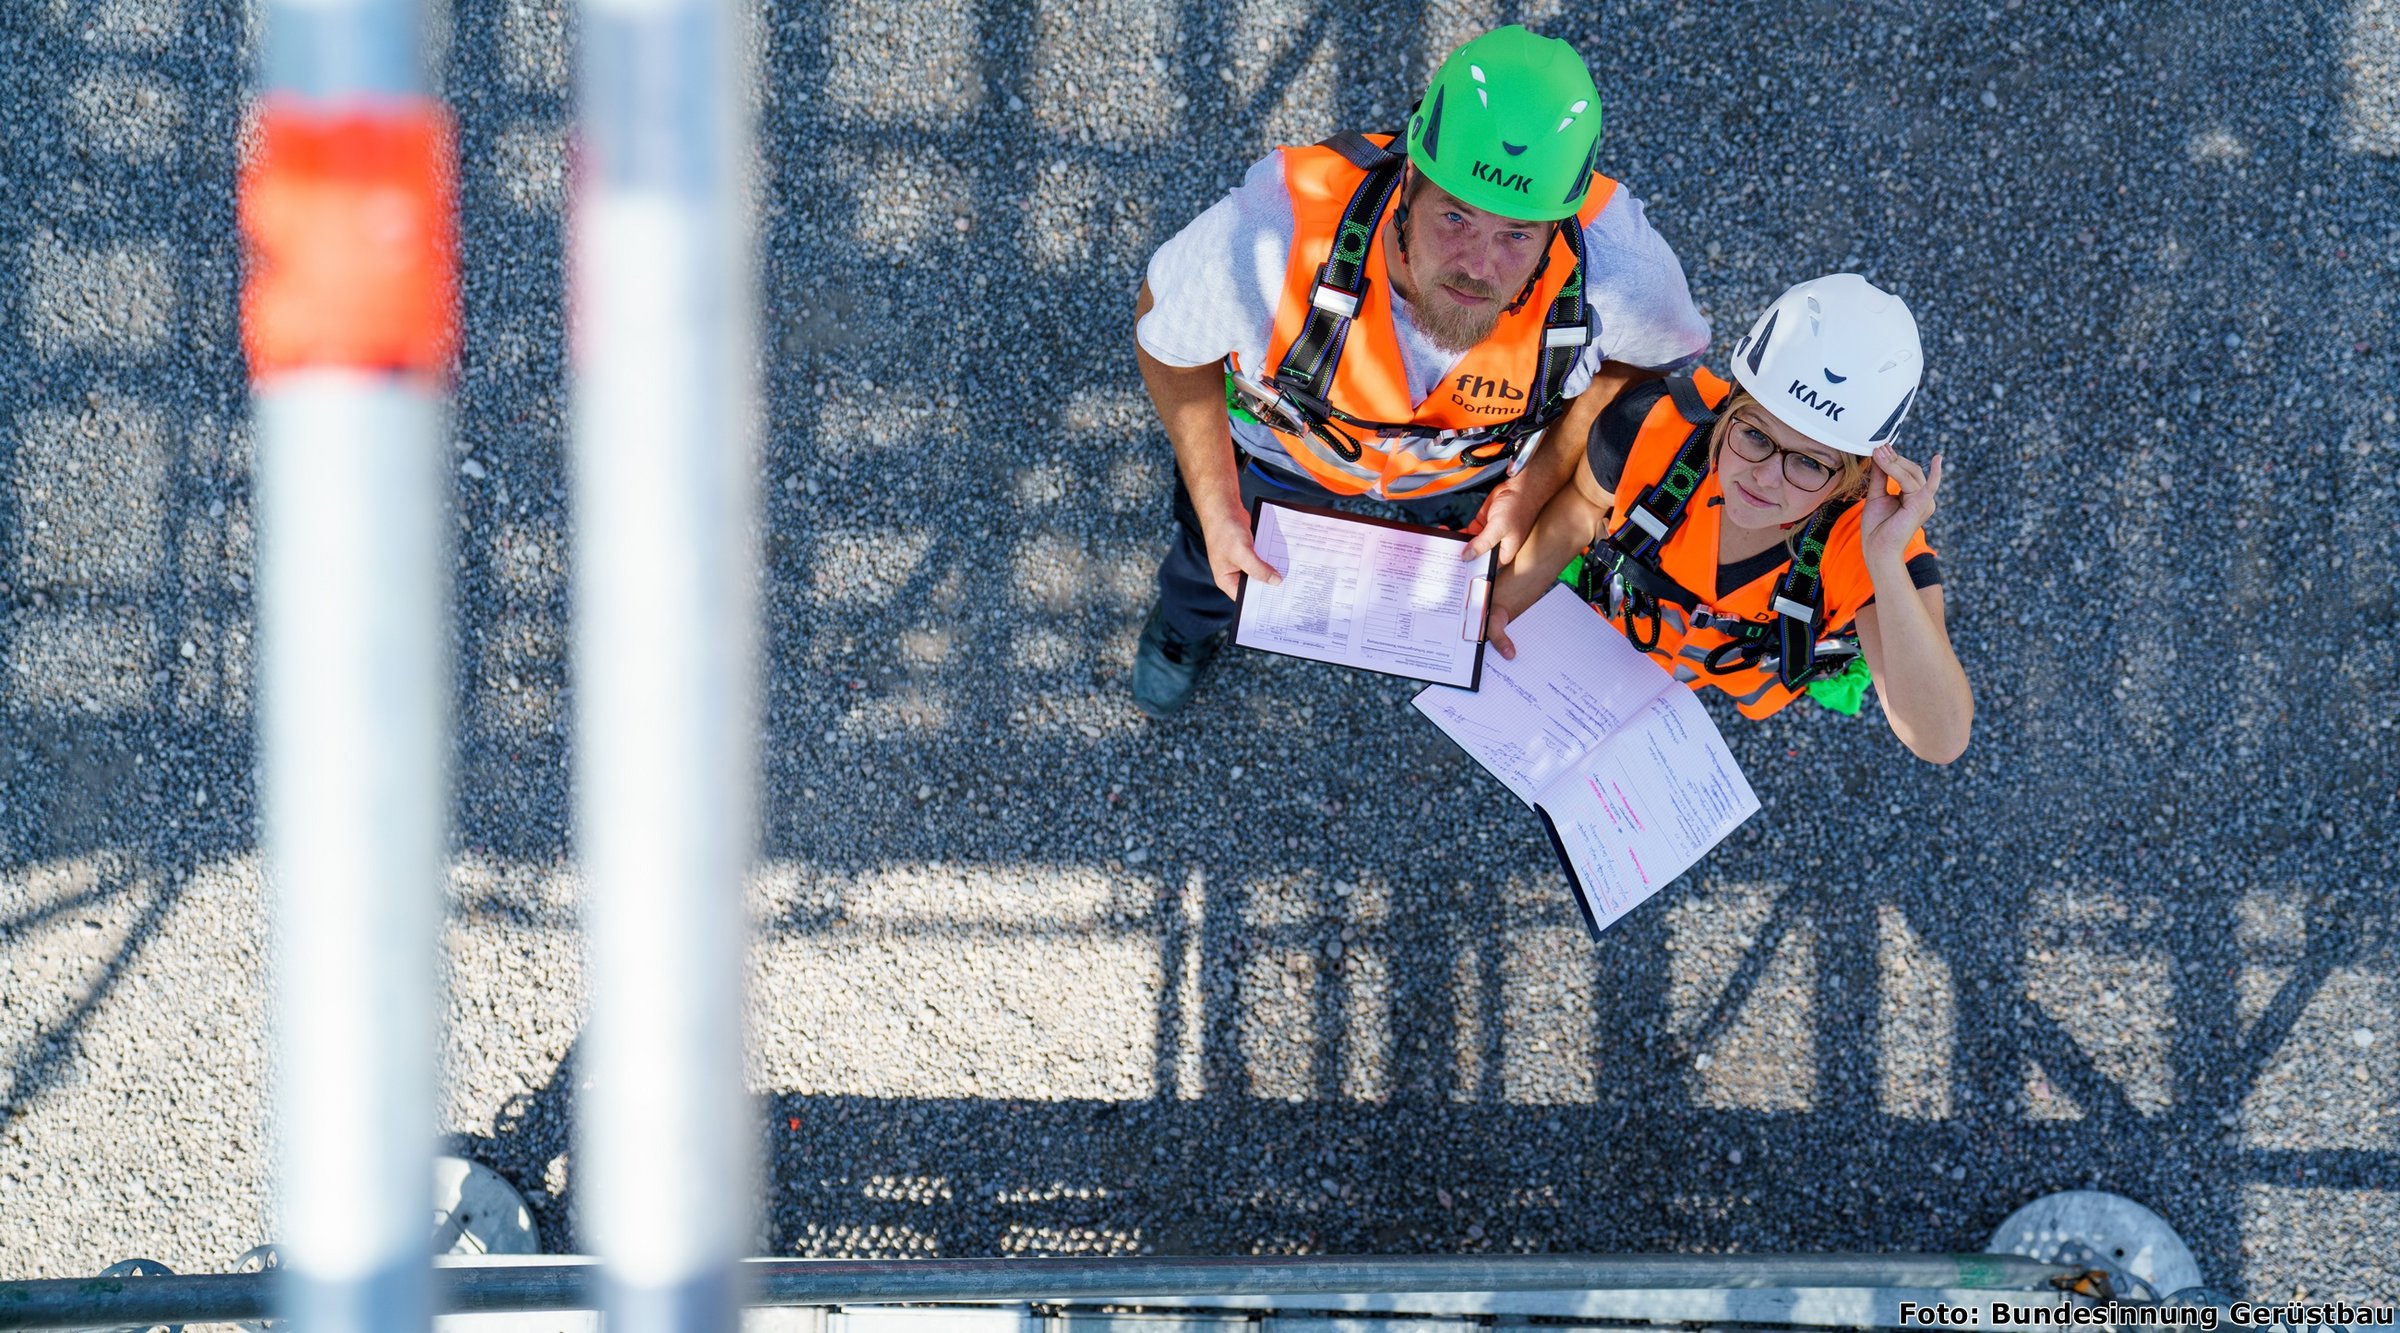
[[229, 1297]]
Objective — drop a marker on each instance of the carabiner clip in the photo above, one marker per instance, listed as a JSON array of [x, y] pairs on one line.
[[1267, 403], [1749, 652], [1473, 455]]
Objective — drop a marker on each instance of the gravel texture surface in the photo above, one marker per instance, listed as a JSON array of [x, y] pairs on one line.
[[1034, 975]]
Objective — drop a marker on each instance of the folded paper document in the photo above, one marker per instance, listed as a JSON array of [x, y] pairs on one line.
[[1619, 760]]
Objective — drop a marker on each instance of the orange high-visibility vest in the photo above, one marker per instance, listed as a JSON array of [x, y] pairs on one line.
[[1689, 558], [1371, 383]]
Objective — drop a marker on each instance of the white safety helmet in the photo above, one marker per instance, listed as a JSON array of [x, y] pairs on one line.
[[1836, 359]]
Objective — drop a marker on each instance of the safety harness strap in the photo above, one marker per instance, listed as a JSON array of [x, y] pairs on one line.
[[1800, 599], [1650, 519], [1803, 650], [1360, 151], [1341, 286], [1620, 574], [1688, 401]]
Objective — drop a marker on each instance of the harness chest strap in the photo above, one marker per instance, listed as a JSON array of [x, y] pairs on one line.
[[1663, 505], [1798, 602], [1308, 366], [1617, 582], [1801, 598]]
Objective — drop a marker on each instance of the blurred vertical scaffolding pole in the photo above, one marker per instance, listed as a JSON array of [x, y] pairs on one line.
[[665, 425], [349, 322]]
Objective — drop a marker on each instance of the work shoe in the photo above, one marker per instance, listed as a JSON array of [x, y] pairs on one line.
[[1166, 665]]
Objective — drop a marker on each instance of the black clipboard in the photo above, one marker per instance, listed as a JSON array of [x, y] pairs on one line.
[[1480, 610]]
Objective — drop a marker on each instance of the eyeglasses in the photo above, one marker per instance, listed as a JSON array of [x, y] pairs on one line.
[[1803, 471]]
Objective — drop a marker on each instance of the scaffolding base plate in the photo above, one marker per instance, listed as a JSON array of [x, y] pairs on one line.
[[2144, 1258], [476, 1211]]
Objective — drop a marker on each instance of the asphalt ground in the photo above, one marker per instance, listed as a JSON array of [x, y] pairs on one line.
[[1034, 975]]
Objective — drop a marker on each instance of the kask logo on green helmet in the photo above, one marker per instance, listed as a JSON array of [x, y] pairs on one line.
[[1518, 181]]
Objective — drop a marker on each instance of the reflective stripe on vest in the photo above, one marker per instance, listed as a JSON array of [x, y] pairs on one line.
[[1491, 386], [1690, 558]]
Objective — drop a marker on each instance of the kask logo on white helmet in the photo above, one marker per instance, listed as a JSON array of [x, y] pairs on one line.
[[1837, 359]]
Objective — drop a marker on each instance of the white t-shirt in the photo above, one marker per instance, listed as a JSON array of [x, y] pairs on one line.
[[1215, 285]]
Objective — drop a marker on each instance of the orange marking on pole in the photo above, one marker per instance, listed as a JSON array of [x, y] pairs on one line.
[[350, 229]]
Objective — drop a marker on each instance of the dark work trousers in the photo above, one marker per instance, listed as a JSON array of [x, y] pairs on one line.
[[1187, 593]]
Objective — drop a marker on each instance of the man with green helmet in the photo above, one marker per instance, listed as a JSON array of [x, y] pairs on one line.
[[1399, 320]]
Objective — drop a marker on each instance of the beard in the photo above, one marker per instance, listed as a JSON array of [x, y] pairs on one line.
[[1453, 327]]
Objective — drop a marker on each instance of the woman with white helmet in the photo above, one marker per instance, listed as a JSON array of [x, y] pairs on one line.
[[1765, 536]]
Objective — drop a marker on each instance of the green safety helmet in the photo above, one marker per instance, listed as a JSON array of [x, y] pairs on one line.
[[1510, 125]]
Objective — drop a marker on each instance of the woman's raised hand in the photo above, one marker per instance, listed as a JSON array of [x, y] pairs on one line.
[[1887, 521]]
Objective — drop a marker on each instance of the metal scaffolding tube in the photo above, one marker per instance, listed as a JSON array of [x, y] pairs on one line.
[[348, 324], [793, 1282], [664, 419]]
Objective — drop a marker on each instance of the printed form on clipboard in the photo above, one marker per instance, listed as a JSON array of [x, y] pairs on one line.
[[1623, 765], [1365, 592]]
